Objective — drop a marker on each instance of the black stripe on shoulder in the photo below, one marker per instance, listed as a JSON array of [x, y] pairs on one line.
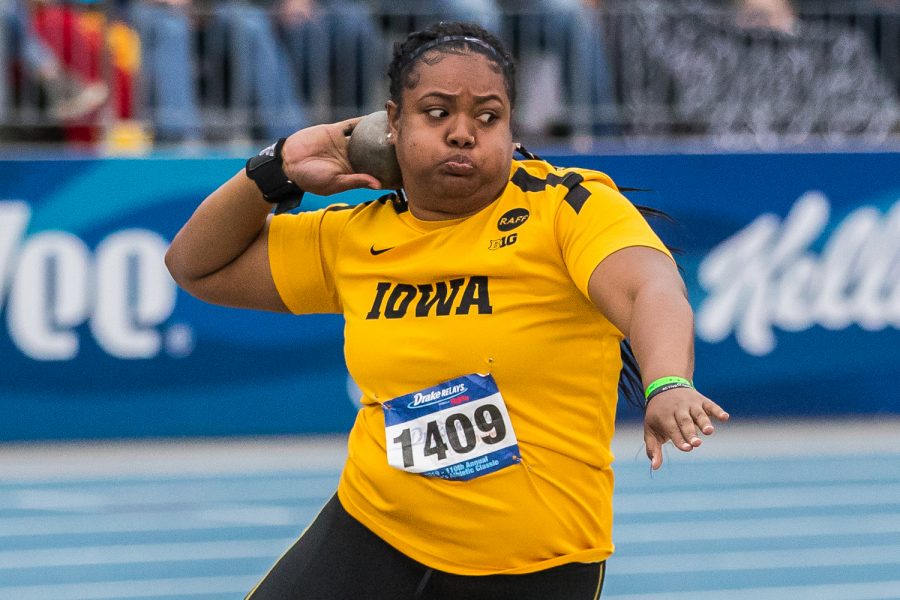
[[527, 182], [575, 197], [577, 194]]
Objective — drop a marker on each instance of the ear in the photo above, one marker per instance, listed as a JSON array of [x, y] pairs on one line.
[[393, 118]]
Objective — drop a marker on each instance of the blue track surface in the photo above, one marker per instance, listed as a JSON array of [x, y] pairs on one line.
[[778, 527]]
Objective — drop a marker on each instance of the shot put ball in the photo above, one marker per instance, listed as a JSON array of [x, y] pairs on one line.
[[370, 151]]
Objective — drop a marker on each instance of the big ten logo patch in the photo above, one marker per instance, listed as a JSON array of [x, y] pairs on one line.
[[507, 240]]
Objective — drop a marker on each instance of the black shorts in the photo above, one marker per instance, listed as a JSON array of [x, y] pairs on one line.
[[338, 558]]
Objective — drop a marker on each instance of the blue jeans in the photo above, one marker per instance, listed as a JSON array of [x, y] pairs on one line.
[[570, 30], [169, 84], [483, 12], [19, 43], [262, 87], [337, 58]]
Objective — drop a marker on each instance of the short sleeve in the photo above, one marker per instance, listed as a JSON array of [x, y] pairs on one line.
[[302, 252], [593, 221]]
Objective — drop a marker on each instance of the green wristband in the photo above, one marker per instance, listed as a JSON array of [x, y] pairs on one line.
[[666, 383]]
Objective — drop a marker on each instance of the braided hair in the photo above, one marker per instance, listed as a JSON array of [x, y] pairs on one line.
[[448, 37]]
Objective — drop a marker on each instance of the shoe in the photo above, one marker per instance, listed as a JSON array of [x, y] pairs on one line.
[[78, 100]]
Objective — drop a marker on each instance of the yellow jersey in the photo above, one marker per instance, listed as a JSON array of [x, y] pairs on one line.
[[502, 292]]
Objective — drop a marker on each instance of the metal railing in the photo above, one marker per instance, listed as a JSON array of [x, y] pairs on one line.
[[643, 69], [827, 75]]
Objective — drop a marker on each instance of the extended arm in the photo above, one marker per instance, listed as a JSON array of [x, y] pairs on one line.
[[641, 293]]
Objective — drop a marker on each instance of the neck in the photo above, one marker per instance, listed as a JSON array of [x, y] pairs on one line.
[[424, 213], [427, 207]]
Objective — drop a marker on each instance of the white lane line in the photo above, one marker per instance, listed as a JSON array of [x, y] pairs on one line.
[[157, 521], [143, 496], [754, 560], [639, 501], [637, 474], [67, 500], [273, 515], [875, 590], [221, 517], [631, 473], [138, 588], [781, 437], [652, 501], [780, 527], [179, 457], [120, 554], [90, 497]]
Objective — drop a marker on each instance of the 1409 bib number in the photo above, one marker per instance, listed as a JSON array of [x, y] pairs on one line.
[[459, 432], [459, 429]]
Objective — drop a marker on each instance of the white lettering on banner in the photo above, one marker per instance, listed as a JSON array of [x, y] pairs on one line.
[[50, 285], [132, 260], [766, 276], [14, 218], [49, 296]]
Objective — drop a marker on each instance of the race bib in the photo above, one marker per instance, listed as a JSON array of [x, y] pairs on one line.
[[459, 429]]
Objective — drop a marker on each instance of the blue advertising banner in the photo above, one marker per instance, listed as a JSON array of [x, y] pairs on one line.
[[792, 263]]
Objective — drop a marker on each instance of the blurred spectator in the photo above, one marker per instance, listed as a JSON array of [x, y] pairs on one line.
[[568, 33], [169, 80], [69, 95], [81, 39], [752, 68], [261, 88], [254, 80], [776, 15], [877, 20], [412, 15], [335, 47]]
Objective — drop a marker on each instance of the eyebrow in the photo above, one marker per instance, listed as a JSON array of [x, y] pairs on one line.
[[451, 97]]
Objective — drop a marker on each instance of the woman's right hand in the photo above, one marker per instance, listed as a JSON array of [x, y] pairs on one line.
[[315, 159]]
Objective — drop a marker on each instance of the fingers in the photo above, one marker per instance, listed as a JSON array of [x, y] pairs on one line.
[[702, 414], [701, 419], [356, 180], [678, 439], [687, 431], [713, 409], [348, 125], [680, 416], [654, 449]]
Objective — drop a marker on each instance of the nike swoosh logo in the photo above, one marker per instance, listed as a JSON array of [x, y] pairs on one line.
[[381, 251]]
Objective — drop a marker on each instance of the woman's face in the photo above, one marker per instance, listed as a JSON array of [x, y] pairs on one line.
[[452, 135]]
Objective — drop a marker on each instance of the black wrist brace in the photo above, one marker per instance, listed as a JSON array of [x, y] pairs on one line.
[[266, 170]]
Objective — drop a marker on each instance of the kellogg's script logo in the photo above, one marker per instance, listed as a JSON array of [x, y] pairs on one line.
[[766, 276]]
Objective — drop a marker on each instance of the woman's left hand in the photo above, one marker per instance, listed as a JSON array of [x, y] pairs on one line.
[[677, 415]]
